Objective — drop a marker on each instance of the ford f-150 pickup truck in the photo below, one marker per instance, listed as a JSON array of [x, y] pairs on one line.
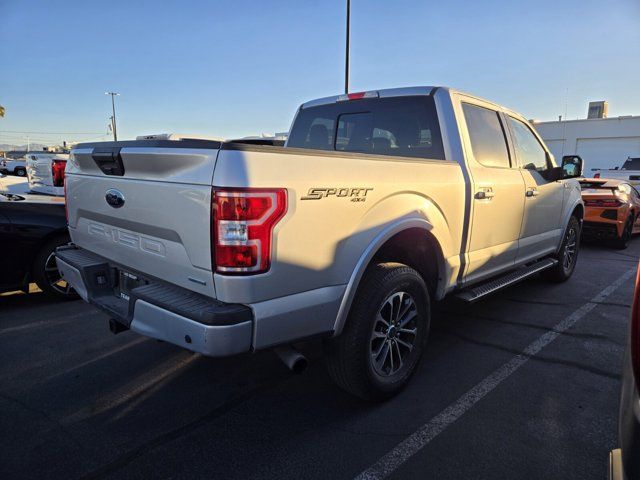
[[379, 204]]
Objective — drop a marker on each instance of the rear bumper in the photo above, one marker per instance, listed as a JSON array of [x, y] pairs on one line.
[[158, 309], [615, 465], [629, 422], [600, 230]]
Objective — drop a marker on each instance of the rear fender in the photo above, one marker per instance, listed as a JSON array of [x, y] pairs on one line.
[[419, 212]]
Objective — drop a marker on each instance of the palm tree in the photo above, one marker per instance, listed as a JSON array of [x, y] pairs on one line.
[[1, 111]]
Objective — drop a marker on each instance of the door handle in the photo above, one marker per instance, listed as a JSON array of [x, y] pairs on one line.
[[484, 194], [532, 192]]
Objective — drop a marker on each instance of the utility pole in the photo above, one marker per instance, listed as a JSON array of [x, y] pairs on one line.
[[346, 67], [113, 107]]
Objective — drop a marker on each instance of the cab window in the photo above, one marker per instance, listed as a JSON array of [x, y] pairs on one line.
[[487, 136], [530, 152], [397, 126]]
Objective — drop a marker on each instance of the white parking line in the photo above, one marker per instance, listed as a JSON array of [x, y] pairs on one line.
[[430, 430]]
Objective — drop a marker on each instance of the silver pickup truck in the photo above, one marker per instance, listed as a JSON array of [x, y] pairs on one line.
[[379, 204]]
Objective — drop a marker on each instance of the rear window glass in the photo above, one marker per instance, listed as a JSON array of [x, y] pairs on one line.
[[402, 126]]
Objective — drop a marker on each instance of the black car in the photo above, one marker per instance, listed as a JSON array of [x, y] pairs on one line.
[[624, 463], [31, 228]]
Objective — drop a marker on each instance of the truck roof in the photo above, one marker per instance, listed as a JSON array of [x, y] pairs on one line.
[[405, 91], [386, 92]]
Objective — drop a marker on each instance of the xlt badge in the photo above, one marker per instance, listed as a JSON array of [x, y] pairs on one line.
[[357, 194]]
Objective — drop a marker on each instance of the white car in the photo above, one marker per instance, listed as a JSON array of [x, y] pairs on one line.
[[46, 172], [379, 204], [13, 166]]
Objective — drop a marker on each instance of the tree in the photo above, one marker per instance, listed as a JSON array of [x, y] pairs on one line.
[[1, 111]]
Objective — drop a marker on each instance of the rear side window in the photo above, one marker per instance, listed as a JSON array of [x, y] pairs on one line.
[[401, 126], [487, 137]]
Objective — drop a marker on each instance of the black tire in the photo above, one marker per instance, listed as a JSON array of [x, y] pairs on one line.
[[45, 277], [567, 256], [349, 356], [21, 172], [622, 242]]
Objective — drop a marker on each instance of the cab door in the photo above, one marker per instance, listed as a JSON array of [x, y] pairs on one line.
[[541, 229], [497, 195]]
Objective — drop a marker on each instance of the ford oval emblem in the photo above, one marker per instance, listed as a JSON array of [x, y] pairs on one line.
[[115, 198]]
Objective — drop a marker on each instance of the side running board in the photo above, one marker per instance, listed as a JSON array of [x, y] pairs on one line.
[[472, 294]]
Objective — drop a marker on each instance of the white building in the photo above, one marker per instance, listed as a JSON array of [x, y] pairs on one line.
[[601, 142]]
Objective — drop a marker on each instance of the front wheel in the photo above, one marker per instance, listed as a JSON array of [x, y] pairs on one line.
[[385, 334], [21, 172], [567, 256]]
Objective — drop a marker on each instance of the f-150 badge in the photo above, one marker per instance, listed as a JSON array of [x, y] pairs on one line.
[[354, 194]]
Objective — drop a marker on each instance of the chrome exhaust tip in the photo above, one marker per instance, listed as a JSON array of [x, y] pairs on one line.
[[293, 359]]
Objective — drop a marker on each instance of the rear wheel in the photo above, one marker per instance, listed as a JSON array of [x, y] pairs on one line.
[[385, 334], [622, 241], [567, 256], [45, 271], [21, 172]]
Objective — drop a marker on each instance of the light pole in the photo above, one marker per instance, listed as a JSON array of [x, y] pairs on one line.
[[346, 67], [113, 107]]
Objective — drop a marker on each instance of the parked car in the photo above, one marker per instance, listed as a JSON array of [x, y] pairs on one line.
[[629, 171], [46, 172], [612, 210], [624, 462], [14, 167], [31, 228], [380, 203]]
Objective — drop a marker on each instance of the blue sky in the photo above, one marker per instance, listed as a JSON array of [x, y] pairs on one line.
[[232, 68]]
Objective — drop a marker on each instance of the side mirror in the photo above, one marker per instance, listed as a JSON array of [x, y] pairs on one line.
[[572, 166], [553, 174]]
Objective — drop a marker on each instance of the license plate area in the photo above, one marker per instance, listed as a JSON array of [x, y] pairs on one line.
[[127, 281]]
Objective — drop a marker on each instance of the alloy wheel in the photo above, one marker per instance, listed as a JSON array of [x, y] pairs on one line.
[[394, 333], [570, 249]]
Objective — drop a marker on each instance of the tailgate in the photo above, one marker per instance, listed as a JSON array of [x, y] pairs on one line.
[[146, 206]]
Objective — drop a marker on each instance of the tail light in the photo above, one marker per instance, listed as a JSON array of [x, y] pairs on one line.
[[635, 330], [243, 222], [603, 203], [358, 96], [57, 171], [597, 175]]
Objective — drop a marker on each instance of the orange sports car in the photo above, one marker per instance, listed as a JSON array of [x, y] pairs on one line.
[[612, 210]]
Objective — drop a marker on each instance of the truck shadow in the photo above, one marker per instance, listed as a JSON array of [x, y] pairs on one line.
[[161, 405]]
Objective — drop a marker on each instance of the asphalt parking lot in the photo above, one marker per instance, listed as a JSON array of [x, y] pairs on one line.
[[79, 402]]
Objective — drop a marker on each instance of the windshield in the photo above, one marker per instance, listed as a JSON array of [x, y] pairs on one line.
[[402, 126], [631, 164]]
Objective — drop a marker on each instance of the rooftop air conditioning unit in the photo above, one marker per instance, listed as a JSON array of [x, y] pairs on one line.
[[598, 109]]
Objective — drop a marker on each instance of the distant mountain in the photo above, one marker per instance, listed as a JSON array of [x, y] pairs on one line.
[[5, 147]]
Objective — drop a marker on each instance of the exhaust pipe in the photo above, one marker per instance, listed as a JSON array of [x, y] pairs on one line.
[[293, 359], [116, 327]]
